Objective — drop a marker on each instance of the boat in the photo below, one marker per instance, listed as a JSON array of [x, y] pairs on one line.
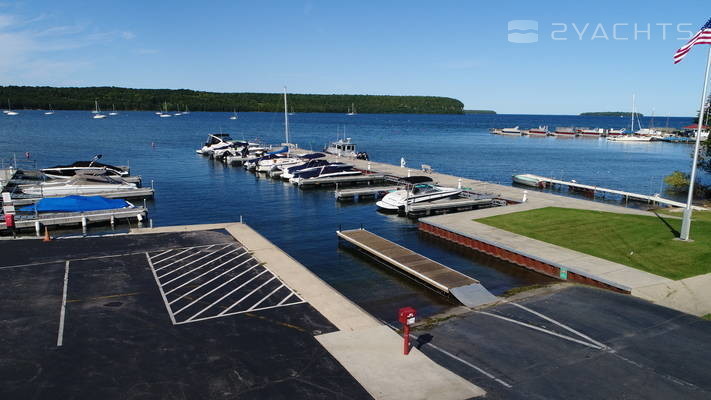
[[289, 172], [634, 137], [9, 109], [97, 112], [351, 111], [164, 111], [50, 112], [299, 161], [177, 112], [75, 204], [234, 115], [79, 184], [342, 147], [615, 132], [68, 171], [419, 189], [215, 141], [542, 130], [587, 132], [113, 108], [565, 131], [272, 163], [529, 180], [326, 171], [251, 164]]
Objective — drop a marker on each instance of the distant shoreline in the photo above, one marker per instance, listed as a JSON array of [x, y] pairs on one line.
[[172, 100]]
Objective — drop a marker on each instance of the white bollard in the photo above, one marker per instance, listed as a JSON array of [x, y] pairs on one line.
[[368, 166], [83, 225], [402, 162], [525, 196], [408, 172], [459, 183], [37, 229]]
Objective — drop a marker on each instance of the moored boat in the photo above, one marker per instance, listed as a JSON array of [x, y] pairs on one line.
[[419, 189]]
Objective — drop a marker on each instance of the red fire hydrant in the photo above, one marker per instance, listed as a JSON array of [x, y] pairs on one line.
[[406, 316]]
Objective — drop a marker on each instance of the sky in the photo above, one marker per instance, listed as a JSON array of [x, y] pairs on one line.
[[586, 56]]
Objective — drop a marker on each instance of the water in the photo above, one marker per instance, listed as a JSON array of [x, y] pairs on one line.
[[191, 189]]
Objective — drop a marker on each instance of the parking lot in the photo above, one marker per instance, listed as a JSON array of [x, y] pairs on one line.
[[578, 342], [180, 315]]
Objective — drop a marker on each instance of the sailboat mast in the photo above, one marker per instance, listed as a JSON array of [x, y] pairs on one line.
[[632, 120], [286, 118]]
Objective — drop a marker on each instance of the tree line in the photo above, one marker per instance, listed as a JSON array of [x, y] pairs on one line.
[[82, 98]]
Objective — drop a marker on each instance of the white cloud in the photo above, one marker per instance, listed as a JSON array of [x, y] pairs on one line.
[[30, 54]]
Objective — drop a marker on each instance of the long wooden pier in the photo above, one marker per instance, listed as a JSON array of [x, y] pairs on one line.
[[549, 182], [467, 290], [369, 191]]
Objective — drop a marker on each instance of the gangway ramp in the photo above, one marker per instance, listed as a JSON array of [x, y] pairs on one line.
[[467, 290]]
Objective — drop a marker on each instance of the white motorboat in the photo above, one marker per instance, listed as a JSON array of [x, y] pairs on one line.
[[273, 163], [515, 131], [326, 171], [529, 180], [419, 189], [540, 131], [79, 185], [68, 171], [289, 171], [615, 132], [215, 141], [630, 138]]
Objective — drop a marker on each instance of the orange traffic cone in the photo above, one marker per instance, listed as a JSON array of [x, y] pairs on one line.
[[47, 238]]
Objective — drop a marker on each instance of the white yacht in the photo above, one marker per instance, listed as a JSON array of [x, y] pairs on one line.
[[326, 171], [419, 189], [215, 141], [79, 185], [97, 112], [68, 171], [342, 147]]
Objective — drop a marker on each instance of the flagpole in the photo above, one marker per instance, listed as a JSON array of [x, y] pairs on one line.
[[686, 222]]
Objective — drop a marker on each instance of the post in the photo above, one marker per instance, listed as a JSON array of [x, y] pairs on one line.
[[83, 225], [368, 166], [686, 222], [408, 172], [525, 196], [459, 183], [406, 349]]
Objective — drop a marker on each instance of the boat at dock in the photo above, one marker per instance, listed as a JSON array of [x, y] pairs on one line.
[[342, 147], [515, 131], [542, 130], [630, 138], [326, 171], [78, 185], [565, 131], [419, 189], [78, 167], [528, 180], [290, 171], [588, 132], [215, 141]]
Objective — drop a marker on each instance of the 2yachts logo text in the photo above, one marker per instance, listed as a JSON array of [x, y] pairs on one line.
[[527, 31]]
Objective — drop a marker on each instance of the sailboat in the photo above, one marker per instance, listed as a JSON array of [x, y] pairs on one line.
[[50, 112], [9, 109], [292, 111], [351, 111], [234, 114], [113, 107], [186, 110], [164, 112], [97, 113], [633, 137], [177, 111], [269, 164]]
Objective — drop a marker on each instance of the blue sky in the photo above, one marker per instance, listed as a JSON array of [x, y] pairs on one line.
[[449, 48]]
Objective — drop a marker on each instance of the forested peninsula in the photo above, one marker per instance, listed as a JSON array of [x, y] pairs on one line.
[[82, 98]]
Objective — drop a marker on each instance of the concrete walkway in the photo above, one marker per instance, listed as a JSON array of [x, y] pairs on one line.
[[688, 295], [369, 350]]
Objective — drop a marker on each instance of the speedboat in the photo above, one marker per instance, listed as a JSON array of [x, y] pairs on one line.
[[289, 172], [529, 180], [326, 171], [215, 141], [540, 131], [615, 132], [589, 132], [80, 185], [515, 131], [342, 147], [419, 189], [266, 165], [629, 138], [68, 171], [565, 131]]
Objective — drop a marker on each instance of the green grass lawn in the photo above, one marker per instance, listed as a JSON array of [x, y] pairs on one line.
[[638, 241]]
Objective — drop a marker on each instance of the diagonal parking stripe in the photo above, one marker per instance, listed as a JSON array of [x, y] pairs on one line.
[[213, 281]]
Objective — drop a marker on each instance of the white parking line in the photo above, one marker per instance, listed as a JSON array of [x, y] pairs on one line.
[[205, 264], [247, 295], [240, 312], [62, 312], [201, 258], [219, 287], [223, 297], [160, 288], [176, 261], [176, 254], [207, 272]]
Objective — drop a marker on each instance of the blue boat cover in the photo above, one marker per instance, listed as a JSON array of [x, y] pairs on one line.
[[312, 156], [75, 204]]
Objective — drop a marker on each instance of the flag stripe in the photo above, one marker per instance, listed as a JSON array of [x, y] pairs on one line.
[[703, 36]]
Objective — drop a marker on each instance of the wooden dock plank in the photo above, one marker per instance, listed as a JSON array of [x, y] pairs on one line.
[[417, 265]]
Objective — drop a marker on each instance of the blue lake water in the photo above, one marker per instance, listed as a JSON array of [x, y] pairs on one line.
[[191, 189]]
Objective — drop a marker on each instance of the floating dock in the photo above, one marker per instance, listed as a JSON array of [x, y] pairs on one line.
[[6, 176], [140, 193], [355, 193], [545, 182], [455, 205], [75, 218], [354, 180], [467, 290]]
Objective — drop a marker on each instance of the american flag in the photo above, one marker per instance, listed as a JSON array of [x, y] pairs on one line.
[[703, 36]]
